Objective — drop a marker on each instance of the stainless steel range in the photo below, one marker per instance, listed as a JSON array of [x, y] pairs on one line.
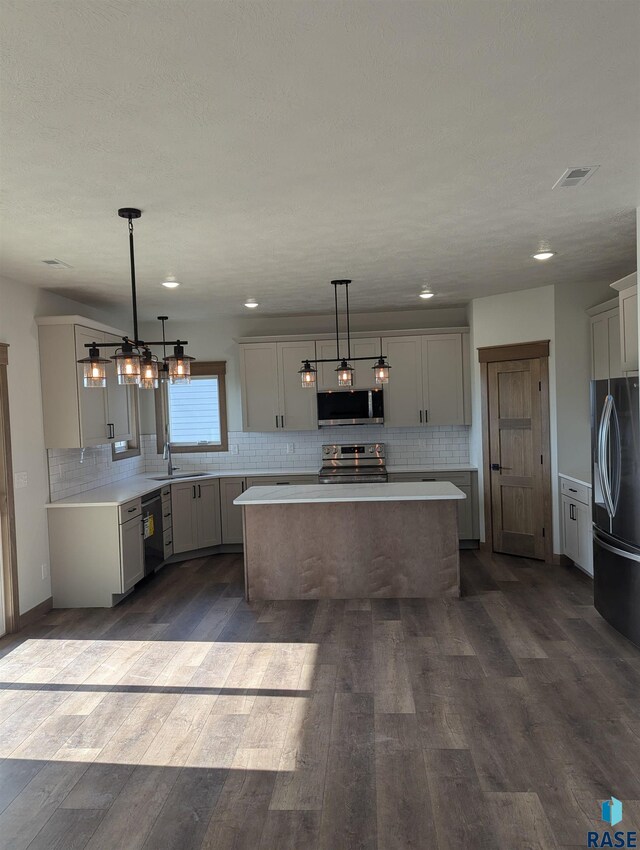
[[353, 464]]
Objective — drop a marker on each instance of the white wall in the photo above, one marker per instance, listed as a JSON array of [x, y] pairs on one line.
[[213, 340], [524, 316], [19, 305], [573, 373]]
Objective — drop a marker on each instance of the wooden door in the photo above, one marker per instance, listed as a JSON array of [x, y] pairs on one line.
[[92, 402], [297, 404], [442, 377], [231, 515], [516, 457], [208, 509], [184, 517], [259, 385], [403, 395]]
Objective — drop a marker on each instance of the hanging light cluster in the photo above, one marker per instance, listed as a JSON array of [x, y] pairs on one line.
[[135, 364], [308, 372]]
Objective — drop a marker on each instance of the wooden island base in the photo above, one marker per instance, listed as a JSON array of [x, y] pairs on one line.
[[351, 550]]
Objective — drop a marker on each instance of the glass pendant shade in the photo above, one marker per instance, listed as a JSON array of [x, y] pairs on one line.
[[149, 377], [307, 375], [179, 366], [381, 371], [95, 369], [345, 374], [127, 362]]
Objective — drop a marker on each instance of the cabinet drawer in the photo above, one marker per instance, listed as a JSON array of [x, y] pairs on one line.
[[459, 478], [166, 515], [271, 480], [130, 510], [165, 492], [575, 491], [168, 542]]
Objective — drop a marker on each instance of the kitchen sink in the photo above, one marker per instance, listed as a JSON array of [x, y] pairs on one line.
[[180, 475]]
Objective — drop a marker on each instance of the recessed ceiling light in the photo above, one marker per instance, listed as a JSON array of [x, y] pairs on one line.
[[544, 255], [426, 294], [171, 282], [251, 303]]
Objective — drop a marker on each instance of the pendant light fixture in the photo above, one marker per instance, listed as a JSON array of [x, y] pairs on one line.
[[135, 363], [307, 375], [344, 370], [95, 368]]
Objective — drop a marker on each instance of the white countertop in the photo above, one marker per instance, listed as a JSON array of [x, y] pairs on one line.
[[139, 485], [295, 494], [575, 480]]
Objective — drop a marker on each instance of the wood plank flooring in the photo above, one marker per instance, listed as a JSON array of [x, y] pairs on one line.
[[187, 719]]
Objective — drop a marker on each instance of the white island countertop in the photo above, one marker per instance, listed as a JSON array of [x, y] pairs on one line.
[[297, 494]]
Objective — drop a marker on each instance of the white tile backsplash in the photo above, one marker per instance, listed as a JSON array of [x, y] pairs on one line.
[[73, 471]]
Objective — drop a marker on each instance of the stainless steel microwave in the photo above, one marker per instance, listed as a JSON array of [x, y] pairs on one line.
[[351, 407]]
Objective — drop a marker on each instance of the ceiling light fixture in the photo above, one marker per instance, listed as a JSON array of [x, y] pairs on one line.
[[544, 255], [251, 303], [171, 282], [426, 294], [344, 370], [135, 364]]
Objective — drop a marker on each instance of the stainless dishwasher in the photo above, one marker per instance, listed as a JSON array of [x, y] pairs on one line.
[[152, 531]]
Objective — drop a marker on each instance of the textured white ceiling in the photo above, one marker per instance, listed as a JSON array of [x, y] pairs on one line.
[[276, 145]]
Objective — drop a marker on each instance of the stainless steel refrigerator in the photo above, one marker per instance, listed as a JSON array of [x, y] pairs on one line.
[[615, 443]]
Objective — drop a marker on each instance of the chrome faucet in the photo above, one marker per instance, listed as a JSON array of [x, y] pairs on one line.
[[166, 455]]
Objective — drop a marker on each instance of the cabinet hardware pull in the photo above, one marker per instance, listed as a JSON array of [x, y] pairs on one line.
[[194, 491], [282, 421], [112, 431], [131, 510], [166, 515], [199, 492], [420, 417], [426, 415], [571, 490], [429, 479], [277, 426], [169, 542]]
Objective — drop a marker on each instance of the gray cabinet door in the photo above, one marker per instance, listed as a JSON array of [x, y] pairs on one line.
[[259, 386], [208, 510], [442, 376], [231, 515], [184, 517], [297, 405], [570, 530], [403, 395], [131, 552], [92, 402]]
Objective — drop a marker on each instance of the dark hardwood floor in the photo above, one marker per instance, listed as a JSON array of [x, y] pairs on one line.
[[186, 718]]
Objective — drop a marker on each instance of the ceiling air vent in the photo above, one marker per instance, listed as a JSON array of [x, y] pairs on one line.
[[575, 176], [57, 264]]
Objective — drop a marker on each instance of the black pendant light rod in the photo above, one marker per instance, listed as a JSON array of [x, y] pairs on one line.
[[335, 301], [347, 282]]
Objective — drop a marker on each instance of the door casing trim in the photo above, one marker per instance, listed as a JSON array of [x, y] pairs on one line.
[[520, 351], [8, 515]]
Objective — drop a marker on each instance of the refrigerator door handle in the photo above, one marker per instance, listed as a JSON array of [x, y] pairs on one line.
[[614, 549], [616, 460], [603, 466]]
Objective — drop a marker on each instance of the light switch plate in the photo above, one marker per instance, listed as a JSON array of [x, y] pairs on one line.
[[20, 480], [233, 449], [290, 448]]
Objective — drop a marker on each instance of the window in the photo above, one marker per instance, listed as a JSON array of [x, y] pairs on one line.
[[122, 449], [194, 414]]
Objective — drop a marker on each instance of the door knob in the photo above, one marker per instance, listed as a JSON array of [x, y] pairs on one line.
[[495, 467]]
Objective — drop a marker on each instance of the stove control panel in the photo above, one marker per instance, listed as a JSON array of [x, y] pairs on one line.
[[353, 451]]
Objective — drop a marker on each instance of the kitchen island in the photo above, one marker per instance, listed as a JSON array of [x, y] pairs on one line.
[[342, 541]]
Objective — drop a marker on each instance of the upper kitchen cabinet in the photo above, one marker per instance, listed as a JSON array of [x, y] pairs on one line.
[[605, 341], [428, 380], [628, 309], [76, 417], [363, 378], [273, 398]]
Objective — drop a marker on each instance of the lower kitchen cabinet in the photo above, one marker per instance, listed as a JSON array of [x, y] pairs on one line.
[[97, 553], [195, 510], [465, 480], [230, 514], [577, 535]]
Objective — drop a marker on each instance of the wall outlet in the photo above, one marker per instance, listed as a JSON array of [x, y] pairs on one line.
[[20, 480], [233, 450], [45, 571], [290, 448]]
